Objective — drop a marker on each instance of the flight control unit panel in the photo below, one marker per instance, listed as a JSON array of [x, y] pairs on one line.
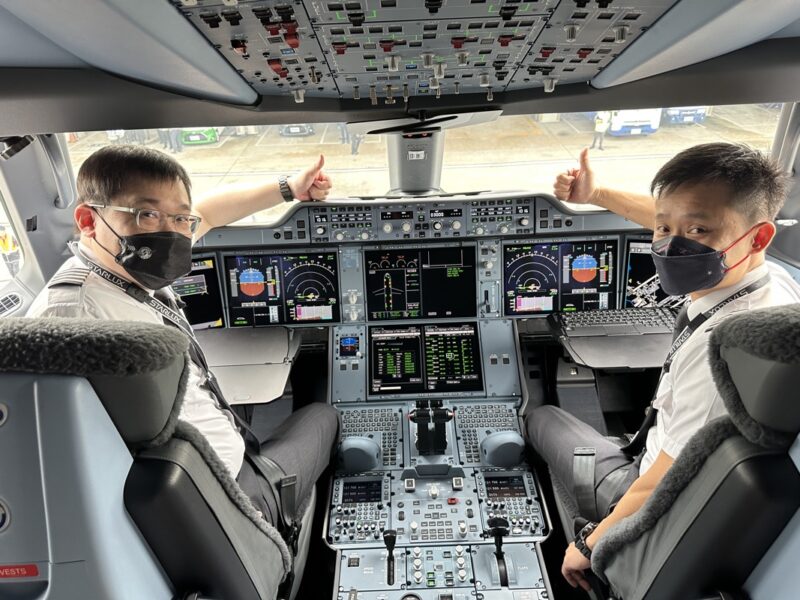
[[432, 497]]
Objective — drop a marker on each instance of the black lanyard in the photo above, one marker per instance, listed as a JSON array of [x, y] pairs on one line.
[[638, 442], [695, 323], [176, 319]]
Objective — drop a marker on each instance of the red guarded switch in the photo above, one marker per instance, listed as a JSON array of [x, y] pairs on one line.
[[292, 40], [387, 45], [505, 40], [340, 47], [273, 28], [584, 52], [290, 26], [546, 52], [276, 65], [458, 42]]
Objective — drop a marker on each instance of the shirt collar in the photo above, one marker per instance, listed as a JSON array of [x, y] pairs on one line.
[[711, 300]]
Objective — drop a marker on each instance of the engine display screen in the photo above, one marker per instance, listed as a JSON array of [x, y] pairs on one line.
[[421, 284], [505, 486], [270, 289], [354, 492], [200, 291], [559, 276]]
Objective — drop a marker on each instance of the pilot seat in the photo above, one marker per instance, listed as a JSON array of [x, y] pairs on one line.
[[104, 493]]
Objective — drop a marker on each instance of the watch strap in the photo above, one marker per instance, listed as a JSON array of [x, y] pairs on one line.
[[286, 191], [580, 540]]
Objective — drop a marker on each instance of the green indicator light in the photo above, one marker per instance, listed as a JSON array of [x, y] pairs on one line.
[[340, 16], [373, 15], [492, 9]]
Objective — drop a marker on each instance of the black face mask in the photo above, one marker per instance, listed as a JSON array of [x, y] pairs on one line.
[[685, 266], [155, 260]]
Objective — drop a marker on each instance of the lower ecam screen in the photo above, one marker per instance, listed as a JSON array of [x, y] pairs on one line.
[[200, 291]]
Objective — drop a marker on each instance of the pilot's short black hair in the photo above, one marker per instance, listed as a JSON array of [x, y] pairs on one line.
[[757, 185], [109, 171]]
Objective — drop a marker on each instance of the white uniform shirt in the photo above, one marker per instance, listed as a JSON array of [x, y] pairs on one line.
[[99, 299], [687, 397]]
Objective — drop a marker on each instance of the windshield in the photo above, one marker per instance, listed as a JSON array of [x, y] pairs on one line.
[[511, 153]]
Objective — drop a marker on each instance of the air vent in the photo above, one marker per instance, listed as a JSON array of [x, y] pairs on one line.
[[9, 303]]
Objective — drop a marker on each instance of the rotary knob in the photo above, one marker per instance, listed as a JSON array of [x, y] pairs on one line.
[[340, 236], [437, 225], [417, 564], [503, 229], [414, 526], [387, 228], [462, 575], [456, 225], [460, 562], [418, 576], [417, 551], [406, 227], [524, 221], [364, 235], [320, 230], [479, 231], [487, 264]]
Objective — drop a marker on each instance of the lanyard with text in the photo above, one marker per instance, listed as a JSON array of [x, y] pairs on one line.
[[638, 442], [695, 323], [174, 317]]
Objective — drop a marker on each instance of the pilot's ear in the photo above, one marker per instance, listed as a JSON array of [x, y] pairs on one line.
[[85, 219], [764, 235]]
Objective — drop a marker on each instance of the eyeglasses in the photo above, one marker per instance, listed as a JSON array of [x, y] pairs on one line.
[[150, 219]]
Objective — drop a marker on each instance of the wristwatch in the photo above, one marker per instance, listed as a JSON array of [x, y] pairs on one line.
[[580, 539], [286, 192]]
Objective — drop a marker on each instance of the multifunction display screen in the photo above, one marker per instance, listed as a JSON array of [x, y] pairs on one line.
[[503, 486], [199, 290], [429, 358], [270, 289], [643, 288], [421, 284], [354, 492], [565, 276]]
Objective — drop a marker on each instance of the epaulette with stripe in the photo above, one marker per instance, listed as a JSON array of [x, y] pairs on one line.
[[73, 276]]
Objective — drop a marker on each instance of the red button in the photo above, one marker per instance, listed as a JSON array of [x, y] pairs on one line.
[[14, 571], [452, 501]]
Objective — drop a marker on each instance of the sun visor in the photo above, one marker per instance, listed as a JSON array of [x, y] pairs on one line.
[[692, 32], [148, 41]]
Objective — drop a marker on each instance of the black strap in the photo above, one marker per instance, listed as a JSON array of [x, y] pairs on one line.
[[684, 328], [583, 463]]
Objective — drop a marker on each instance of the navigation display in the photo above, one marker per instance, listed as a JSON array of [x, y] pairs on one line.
[[421, 284], [430, 358], [643, 288], [270, 289], [565, 276], [199, 290]]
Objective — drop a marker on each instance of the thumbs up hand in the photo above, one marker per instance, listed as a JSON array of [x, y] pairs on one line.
[[311, 183], [576, 185]]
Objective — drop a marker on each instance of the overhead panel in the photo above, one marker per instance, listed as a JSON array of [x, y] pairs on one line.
[[387, 51], [582, 38]]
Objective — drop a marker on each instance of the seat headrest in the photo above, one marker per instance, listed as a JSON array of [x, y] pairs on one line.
[[138, 370], [755, 362]]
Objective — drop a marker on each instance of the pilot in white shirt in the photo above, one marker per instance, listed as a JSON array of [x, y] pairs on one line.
[[712, 219], [99, 299], [137, 224]]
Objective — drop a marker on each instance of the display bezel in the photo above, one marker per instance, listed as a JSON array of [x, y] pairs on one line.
[[282, 252], [417, 247], [556, 240]]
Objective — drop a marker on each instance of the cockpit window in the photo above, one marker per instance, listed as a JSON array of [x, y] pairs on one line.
[[511, 153], [10, 252]]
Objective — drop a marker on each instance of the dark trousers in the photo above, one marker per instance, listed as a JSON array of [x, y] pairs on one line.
[[555, 433], [303, 446]]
